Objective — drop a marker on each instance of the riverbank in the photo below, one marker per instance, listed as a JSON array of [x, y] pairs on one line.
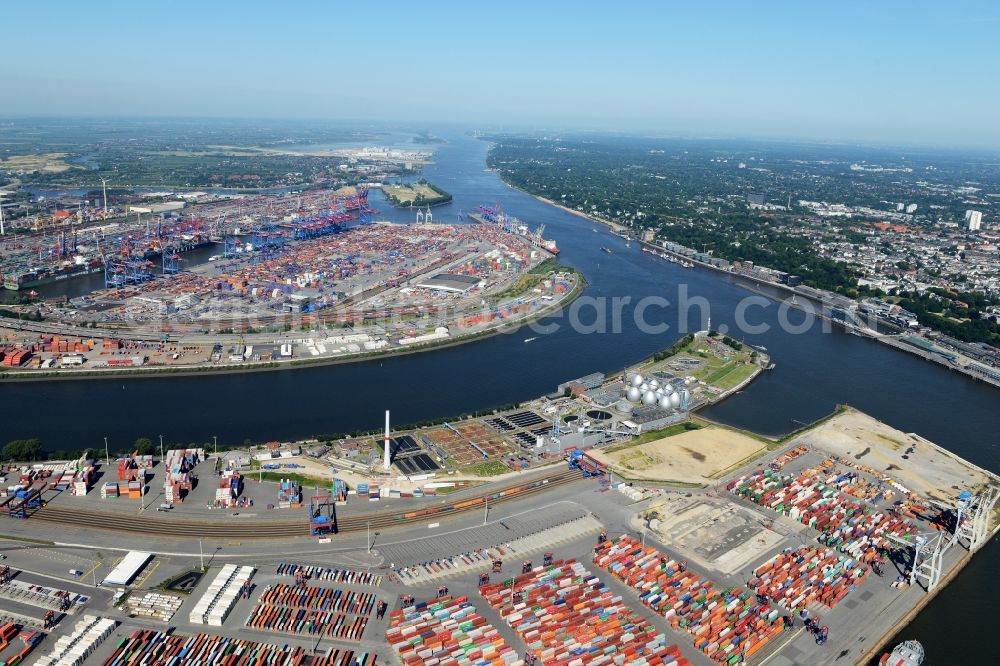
[[506, 326], [824, 311]]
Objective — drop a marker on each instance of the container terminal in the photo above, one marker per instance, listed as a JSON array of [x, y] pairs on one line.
[[294, 281], [604, 522]]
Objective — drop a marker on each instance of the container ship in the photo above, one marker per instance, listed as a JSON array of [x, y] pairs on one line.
[[494, 215], [35, 277]]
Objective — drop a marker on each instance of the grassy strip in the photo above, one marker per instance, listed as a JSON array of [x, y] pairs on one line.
[[41, 542], [492, 468], [735, 376], [654, 435], [304, 480]]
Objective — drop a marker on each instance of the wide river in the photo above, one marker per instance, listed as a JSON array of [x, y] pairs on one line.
[[815, 371]]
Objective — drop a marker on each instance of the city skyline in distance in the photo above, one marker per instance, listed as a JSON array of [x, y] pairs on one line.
[[914, 73]]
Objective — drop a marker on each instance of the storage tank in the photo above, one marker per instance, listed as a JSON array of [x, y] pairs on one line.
[[654, 384], [668, 389], [664, 402], [633, 394], [623, 406], [637, 380], [649, 398], [675, 400], [644, 387]]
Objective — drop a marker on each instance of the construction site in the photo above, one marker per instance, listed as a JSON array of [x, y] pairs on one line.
[[301, 277]]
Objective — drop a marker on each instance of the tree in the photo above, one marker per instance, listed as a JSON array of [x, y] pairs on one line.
[[144, 446], [22, 449]]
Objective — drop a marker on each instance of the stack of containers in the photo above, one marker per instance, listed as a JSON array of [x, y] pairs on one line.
[[339, 491], [220, 597], [313, 610], [171, 493], [147, 646], [74, 648], [788, 456], [109, 491], [808, 574], [568, 617], [155, 605], [844, 524], [81, 482], [726, 625], [324, 573], [289, 494], [447, 632], [223, 497], [9, 632]]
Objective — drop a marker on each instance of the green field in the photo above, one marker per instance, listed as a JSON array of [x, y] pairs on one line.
[[730, 375], [415, 194], [492, 468]]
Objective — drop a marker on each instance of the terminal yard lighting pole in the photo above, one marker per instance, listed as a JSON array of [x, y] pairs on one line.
[[215, 440], [486, 513], [201, 555], [161, 449], [107, 456]]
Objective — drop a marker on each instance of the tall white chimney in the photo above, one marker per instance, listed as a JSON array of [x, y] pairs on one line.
[[387, 453]]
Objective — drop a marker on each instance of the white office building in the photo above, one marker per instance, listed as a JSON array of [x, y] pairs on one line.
[[973, 220]]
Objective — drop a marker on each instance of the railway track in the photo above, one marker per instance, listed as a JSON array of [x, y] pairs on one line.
[[250, 529]]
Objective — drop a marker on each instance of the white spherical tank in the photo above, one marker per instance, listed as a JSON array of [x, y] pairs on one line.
[[675, 400], [687, 382], [664, 402], [653, 384], [649, 398], [633, 393], [668, 389], [637, 380], [659, 391], [644, 387]]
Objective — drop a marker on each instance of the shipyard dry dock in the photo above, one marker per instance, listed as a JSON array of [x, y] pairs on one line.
[[572, 566]]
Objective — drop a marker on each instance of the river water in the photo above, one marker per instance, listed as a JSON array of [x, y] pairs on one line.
[[815, 371]]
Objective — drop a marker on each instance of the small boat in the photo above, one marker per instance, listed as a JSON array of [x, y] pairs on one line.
[[604, 249], [527, 340], [907, 653]]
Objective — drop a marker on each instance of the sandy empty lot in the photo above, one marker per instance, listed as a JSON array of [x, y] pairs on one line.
[[910, 459], [690, 457]]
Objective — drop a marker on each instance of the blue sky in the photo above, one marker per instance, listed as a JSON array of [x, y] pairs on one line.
[[915, 72]]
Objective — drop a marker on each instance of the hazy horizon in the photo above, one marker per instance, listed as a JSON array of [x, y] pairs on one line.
[[909, 74]]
